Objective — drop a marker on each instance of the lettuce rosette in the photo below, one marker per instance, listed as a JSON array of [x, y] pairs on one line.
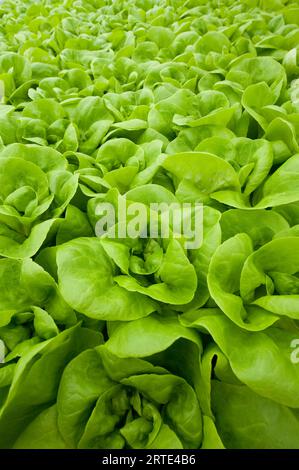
[[35, 190], [128, 397], [243, 395]]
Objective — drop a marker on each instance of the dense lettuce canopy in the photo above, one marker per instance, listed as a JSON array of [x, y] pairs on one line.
[[142, 342]]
